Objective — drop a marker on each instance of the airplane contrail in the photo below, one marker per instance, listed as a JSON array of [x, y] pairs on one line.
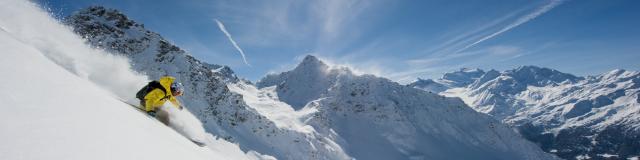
[[519, 21], [224, 30]]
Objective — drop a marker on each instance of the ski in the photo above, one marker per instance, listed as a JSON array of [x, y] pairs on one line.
[[201, 144]]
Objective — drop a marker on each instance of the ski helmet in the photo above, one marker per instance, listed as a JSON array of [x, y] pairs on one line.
[[177, 87]]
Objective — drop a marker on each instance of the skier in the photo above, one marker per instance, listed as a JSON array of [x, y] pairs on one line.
[[156, 93]]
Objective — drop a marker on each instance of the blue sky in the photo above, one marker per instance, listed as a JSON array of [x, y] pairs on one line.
[[400, 40]]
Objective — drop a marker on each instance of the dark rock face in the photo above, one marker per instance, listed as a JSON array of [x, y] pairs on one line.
[[108, 32], [572, 142], [612, 142]]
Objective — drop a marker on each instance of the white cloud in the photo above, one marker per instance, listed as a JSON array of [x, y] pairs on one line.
[[325, 25], [224, 30], [371, 66]]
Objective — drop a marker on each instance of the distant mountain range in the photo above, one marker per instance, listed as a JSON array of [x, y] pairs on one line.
[[570, 116]]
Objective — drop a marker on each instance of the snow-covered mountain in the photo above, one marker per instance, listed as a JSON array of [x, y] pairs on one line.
[[61, 99], [224, 112], [572, 117], [375, 118], [314, 111], [497, 88], [463, 77]]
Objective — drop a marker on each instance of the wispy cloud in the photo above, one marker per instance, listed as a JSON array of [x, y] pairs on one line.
[[436, 60], [457, 40], [319, 26], [457, 47], [326, 28], [335, 19], [224, 30], [524, 19]]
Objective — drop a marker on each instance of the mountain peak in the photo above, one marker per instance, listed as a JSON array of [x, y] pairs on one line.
[[311, 62], [529, 67], [307, 82], [113, 16], [470, 70], [462, 77], [618, 75], [310, 58], [615, 72], [97, 10], [540, 76]]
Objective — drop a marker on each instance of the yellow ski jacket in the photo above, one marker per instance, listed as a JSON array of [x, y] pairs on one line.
[[157, 97]]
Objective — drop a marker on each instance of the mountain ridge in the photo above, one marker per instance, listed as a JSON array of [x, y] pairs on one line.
[[557, 110]]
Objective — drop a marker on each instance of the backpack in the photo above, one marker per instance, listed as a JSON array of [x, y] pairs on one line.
[[148, 88]]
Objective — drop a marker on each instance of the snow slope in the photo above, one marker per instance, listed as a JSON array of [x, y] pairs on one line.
[[566, 115], [374, 118], [62, 100]]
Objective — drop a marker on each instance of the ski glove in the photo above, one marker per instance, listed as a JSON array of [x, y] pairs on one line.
[[151, 113]]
